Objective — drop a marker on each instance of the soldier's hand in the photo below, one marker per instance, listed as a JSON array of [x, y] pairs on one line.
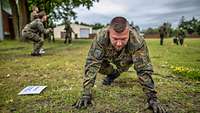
[[83, 102], [50, 29], [156, 107]]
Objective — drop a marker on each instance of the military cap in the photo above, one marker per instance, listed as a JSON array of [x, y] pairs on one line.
[[119, 24]]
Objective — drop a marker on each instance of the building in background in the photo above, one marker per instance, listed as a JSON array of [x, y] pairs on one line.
[[81, 31], [6, 25]]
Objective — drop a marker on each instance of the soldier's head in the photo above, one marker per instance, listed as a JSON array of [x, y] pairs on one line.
[[35, 8], [119, 32], [42, 15]]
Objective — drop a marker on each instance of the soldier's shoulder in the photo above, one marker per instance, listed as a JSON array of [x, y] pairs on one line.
[[102, 37], [135, 36], [136, 41]]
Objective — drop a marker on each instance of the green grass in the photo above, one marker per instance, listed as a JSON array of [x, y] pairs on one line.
[[61, 69]]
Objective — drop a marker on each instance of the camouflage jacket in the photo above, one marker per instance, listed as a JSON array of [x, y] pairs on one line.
[[162, 30], [134, 52], [68, 29], [36, 26]]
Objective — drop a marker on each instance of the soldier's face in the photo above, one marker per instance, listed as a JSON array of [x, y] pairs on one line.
[[44, 18], [119, 40]]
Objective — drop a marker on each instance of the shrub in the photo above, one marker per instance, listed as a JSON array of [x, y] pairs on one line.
[[186, 72]]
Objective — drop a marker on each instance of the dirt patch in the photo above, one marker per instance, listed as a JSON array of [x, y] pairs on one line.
[[126, 83]]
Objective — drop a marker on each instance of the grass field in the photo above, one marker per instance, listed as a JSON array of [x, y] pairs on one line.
[[61, 69]]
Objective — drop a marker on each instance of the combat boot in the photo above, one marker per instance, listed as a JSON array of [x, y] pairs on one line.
[[35, 54], [110, 78]]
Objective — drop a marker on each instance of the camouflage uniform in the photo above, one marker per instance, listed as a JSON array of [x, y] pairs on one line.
[[68, 33], [102, 53], [32, 32], [162, 31], [51, 36]]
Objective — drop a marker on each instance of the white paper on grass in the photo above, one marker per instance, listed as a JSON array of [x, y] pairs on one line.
[[32, 90]]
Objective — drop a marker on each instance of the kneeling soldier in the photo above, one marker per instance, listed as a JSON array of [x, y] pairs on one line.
[[33, 31]]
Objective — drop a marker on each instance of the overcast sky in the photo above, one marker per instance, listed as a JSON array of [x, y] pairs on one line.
[[145, 13]]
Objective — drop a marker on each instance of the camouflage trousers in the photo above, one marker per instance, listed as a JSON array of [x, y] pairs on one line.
[[36, 38], [68, 38], [145, 80]]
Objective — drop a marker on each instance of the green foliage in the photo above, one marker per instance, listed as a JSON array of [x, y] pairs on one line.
[[186, 72], [61, 9], [151, 31], [191, 26], [97, 26], [5, 4]]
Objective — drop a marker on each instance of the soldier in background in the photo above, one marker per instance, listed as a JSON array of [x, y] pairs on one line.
[[162, 32], [175, 37], [51, 36], [181, 35], [33, 30], [68, 33], [34, 13], [122, 46]]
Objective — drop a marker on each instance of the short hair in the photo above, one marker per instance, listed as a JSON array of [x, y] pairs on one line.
[[119, 24], [34, 7], [41, 14]]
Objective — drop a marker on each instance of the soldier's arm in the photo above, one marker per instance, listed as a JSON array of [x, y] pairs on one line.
[[142, 63], [144, 70], [92, 66], [143, 67], [42, 29]]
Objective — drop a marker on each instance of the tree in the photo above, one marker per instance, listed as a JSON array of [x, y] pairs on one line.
[[15, 19], [198, 27], [191, 26], [56, 10], [76, 22], [23, 13], [97, 26], [61, 9], [151, 31]]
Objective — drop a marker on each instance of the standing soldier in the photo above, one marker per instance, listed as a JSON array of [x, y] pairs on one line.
[[162, 32], [33, 30], [51, 36], [34, 13], [122, 46], [68, 33], [181, 35]]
